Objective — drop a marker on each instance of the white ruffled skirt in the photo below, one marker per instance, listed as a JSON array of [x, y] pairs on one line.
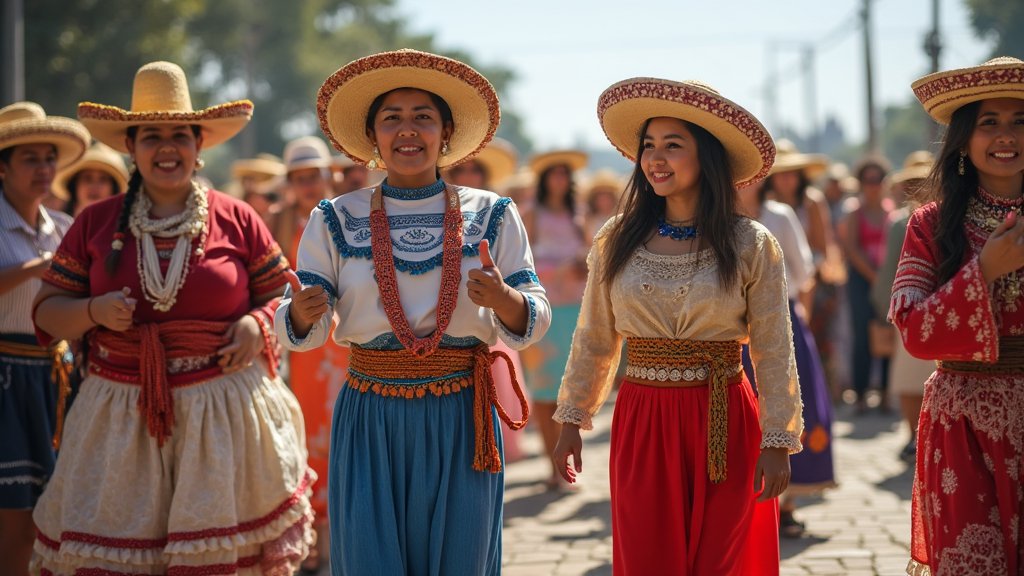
[[228, 492]]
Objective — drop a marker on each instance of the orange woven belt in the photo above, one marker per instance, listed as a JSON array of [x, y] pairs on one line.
[[670, 362], [61, 365], [402, 374]]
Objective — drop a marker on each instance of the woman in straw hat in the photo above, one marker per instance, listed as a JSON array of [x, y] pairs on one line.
[[812, 468], [100, 174], [957, 299], [489, 170], [601, 197], [420, 277], [32, 147], [184, 452], [685, 281], [260, 178], [559, 246], [906, 373]]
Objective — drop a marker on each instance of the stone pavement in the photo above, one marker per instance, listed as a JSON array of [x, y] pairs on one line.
[[860, 528]]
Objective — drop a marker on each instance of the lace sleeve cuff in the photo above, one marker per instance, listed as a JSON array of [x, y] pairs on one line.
[[515, 341], [786, 440], [292, 338], [566, 414]]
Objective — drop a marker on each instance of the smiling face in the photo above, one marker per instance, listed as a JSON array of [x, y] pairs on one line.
[[166, 156], [29, 173], [996, 142], [669, 158], [409, 132]]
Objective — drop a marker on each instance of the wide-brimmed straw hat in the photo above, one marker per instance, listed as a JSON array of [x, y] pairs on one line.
[[917, 166], [942, 93], [789, 159], [306, 152], [160, 96], [345, 97], [98, 157], [574, 159], [262, 168], [27, 123], [625, 106], [499, 159]]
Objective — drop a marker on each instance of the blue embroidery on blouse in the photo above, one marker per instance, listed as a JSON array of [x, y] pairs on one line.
[[424, 230], [524, 276], [420, 193], [291, 334], [388, 341], [531, 304], [313, 279], [345, 250]]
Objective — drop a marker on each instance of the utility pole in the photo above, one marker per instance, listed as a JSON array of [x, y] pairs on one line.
[[868, 82], [12, 52], [811, 97], [771, 88], [933, 48]]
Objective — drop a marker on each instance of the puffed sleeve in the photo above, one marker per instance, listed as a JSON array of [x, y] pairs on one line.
[[317, 264], [951, 321], [771, 347], [596, 347], [69, 269], [513, 257]]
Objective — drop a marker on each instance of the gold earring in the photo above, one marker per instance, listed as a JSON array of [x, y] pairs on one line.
[[200, 163], [960, 166], [444, 149], [376, 161]]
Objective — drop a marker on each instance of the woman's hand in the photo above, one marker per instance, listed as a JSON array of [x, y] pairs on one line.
[[306, 308], [486, 286], [772, 473], [1004, 250], [245, 342], [113, 310], [569, 444]]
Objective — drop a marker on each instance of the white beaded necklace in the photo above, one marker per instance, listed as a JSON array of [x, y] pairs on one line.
[[159, 289]]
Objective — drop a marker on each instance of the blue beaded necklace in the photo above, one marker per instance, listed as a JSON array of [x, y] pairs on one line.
[[412, 193], [676, 232]]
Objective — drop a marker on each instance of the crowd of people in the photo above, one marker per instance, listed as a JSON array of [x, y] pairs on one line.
[[333, 359]]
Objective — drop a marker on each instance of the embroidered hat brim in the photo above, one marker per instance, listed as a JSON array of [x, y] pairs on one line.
[[943, 93], [574, 159], [69, 137], [97, 157], [625, 106], [344, 101], [109, 124]]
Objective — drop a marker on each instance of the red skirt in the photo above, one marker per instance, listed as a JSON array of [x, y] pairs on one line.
[[667, 516]]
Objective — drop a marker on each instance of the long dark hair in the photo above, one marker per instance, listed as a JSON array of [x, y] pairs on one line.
[[130, 195], [716, 208], [543, 191], [953, 191]]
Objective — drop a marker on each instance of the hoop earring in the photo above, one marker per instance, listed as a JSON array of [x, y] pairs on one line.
[[376, 161]]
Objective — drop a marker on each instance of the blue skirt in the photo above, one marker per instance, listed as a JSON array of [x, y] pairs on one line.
[[403, 496], [812, 469], [28, 400]]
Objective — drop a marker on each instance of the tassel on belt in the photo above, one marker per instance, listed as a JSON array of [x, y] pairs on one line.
[[61, 365], [1011, 360], [685, 362], [401, 374]]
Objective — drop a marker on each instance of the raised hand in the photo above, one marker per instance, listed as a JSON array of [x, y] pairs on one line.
[[114, 309], [307, 306], [1004, 250], [486, 286]]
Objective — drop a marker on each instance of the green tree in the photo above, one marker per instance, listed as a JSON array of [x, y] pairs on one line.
[[1002, 20]]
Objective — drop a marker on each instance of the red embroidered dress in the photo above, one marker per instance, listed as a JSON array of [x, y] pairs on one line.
[[223, 488], [968, 495]]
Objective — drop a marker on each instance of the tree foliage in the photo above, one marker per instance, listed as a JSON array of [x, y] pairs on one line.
[[274, 53], [1002, 20]]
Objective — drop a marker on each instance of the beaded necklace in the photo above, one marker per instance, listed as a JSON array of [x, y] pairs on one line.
[[384, 268], [677, 230], [985, 212]]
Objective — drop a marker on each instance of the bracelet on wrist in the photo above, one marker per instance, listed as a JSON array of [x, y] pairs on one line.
[[88, 310]]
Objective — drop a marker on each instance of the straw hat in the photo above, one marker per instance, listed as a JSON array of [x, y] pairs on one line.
[[160, 96], [917, 166], [306, 152], [27, 123], [604, 179], [625, 106], [789, 159], [942, 93], [499, 159], [263, 167], [97, 157], [574, 159], [345, 97]]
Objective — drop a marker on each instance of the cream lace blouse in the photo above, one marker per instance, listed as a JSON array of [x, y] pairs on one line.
[[659, 296]]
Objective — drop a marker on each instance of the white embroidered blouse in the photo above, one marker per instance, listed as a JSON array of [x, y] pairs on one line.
[[679, 297], [334, 252]]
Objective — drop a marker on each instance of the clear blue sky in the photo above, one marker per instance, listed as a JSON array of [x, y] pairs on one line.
[[567, 51]]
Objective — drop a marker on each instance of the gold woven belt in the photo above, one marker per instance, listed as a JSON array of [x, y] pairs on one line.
[[61, 365], [1011, 360], [684, 361]]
